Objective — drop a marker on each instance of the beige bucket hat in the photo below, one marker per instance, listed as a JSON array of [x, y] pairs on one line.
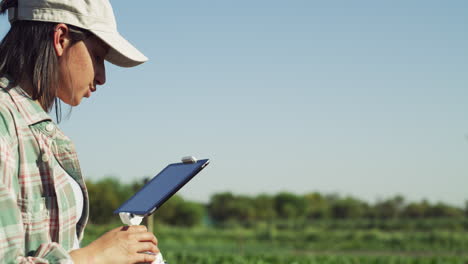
[[96, 16]]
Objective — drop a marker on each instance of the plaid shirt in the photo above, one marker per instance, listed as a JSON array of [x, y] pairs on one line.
[[38, 220]]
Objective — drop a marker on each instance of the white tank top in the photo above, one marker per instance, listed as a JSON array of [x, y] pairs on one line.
[[79, 206]]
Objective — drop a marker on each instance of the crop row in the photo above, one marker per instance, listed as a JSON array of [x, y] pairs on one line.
[[201, 258], [264, 239]]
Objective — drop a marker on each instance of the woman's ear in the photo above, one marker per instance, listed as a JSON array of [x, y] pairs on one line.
[[61, 39]]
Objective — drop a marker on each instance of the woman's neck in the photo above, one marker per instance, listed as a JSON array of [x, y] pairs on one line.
[[27, 87]]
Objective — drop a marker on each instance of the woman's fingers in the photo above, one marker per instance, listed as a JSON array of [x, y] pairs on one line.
[[137, 228], [145, 247], [142, 258], [140, 233], [143, 237], [148, 237]]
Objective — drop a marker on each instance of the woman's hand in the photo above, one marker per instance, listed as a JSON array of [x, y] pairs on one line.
[[120, 245]]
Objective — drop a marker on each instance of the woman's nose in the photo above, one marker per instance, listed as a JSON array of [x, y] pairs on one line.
[[100, 77]]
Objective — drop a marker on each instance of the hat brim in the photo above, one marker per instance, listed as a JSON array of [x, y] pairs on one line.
[[121, 52]]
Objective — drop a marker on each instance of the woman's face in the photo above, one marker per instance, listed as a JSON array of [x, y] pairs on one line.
[[81, 70]]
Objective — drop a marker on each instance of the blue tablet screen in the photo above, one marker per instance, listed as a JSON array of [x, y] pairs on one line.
[[161, 188]]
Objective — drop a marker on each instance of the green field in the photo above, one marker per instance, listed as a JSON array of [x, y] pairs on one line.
[[203, 258], [309, 245]]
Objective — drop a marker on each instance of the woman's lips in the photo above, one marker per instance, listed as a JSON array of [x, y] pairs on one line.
[[90, 90], [88, 93]]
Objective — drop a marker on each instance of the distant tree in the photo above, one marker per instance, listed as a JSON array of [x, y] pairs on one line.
[[191, 214], [332, 197], [367, 211], [178, 212], [348, 208], [466, 208], [188, 214], [168, 211], [317, 206], [444, 210], [416, 210], [243, 209], [216, 206], [288, 205], [390, 208], [225, 207], [264, 208]]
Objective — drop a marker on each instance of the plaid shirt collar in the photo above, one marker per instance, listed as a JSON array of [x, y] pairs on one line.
[[29, 109]]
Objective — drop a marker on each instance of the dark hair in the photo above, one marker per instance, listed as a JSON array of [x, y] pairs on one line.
[[27, 53]]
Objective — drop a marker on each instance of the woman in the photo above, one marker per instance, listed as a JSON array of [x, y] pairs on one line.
[[55, 51]]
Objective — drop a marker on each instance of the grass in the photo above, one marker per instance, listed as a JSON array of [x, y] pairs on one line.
[[311, 245]]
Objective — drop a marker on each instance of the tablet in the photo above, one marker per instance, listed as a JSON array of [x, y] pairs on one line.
[[159, 189]]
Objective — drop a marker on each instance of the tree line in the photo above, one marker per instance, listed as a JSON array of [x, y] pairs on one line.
[[312, 206], [108, 194]]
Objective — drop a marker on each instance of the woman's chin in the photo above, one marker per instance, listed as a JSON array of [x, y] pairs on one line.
[[74, 102]]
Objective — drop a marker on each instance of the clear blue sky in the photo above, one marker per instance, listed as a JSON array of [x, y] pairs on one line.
[[366, 98]]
